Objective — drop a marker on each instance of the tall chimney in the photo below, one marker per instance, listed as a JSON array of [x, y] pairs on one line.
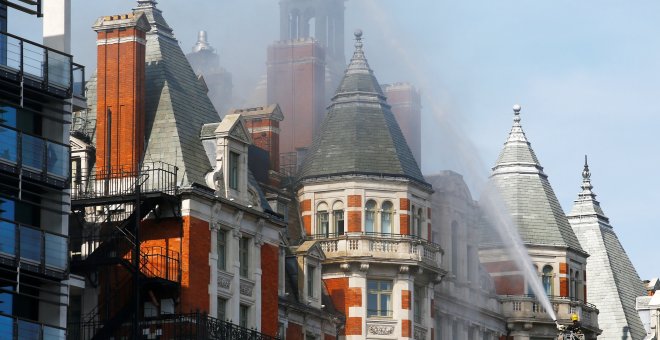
[[120, 41], [264, 126]]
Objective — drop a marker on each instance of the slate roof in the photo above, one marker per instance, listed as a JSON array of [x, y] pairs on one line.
[[527, 193], [612, 282], [360, 134], [176, 103]]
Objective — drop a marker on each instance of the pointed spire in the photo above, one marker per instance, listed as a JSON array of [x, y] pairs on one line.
[[517, 134], [358, 62], [586, 203], [586, 178]]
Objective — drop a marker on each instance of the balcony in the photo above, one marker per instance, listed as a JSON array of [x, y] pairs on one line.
[[528, 308], [39, 158], [35, 249], [179, 326], [39, 67], [118, 185], [28, 6], [376, 246], [14, 328]]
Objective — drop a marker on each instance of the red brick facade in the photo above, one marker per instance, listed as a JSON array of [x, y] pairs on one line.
[[404, 222], [500, 266], [354, 201], [406, 328], [563, 286], [407, 108], [344, 297], [353, 326], [509, 284], [306, 205], [120, 97], [355, 221], [296, 81], [294, 332], [405, 299], [329, 337], [404, 204], [195, 254], [269, 289]]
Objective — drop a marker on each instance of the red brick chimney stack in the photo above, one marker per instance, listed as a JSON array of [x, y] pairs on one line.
[[121, 41], [264, 126]]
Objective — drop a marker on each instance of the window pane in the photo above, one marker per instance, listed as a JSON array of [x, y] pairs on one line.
[[7, 238], [222, 309], [8, 145], [58, 160], [32, 152], [30, 244], [6, 328], [385, 304], [245, 256], [372, 304], [339, 222], [369, 221], [56, 251], [222, 252], [233, 170], [53, 333], [28, 330]]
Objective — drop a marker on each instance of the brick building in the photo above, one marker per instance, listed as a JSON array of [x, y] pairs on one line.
[[169, 227], [364, 200], [406, 104]]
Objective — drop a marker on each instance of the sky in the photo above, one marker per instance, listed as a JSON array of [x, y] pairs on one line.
[[587, 74]]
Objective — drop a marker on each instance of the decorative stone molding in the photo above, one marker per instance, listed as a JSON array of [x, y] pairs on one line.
[[258, 240], [364, 267], [247, 287], [419, 333], [224, 279], [404, 269], [345, 266], [238, 217], [236, 233], [216, 212], [380, 329]]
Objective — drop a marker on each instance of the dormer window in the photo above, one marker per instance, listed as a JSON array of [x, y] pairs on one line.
[[233, 169], [311, 279]]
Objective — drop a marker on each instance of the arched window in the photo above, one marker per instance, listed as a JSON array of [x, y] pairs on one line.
[[370, 216], [530, 290], [338, 217], [386, 218], [546, 279], [322, 220]]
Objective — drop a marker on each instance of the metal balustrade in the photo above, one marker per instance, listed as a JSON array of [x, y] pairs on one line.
[[39, 156], [33, 7], [37, 249], [154, 177], [17, 328], [40, 67]]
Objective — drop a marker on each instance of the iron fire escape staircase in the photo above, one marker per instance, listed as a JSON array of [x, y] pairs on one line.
[[109, 246]]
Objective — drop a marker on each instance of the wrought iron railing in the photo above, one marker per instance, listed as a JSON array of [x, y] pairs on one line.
[[122, 181], [194, 326]]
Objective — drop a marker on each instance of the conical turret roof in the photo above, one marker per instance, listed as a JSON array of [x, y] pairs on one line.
[[360, 135], [612, 282], [528, 195]]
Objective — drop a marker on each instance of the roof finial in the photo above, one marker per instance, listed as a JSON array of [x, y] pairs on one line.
[[358, 62], [586, 179], [516, 134], [516, 112]]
